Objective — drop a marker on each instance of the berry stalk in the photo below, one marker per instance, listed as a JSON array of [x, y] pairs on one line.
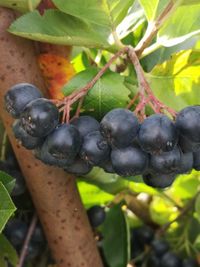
[[54, 192]]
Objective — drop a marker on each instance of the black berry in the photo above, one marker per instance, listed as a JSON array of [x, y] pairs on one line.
[[170, 260], [196, 160], [39, 117], [120, 127], [187, 145], [157, 134], [166, 162], [188, 123], [79, 167], [96, 215], [160, 247], [85, 125], [19, 96], [129, 161], [186, 163], [95, 148], [159, 180], [28, 141]]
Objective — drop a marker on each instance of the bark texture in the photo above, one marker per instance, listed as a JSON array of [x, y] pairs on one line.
[[53, 191]]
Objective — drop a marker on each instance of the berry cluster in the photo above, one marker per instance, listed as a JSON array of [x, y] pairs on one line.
[[154, 252], [16, 231], [158, 148]]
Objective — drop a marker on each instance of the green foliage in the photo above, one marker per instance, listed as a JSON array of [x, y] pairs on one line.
[[7, 207], [7, 251], [176, 81], [69, 29], [92, 195], [7, 181], [20, 5], [116, 238], [109, 92]]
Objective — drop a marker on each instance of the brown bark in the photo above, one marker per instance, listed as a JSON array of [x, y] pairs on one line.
[[54, 192]]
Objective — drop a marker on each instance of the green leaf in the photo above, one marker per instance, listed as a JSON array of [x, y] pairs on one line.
[[20, 5], [176, 81], [190, 2], [92, 195], [115, 238], [7, 251], [178, 28], [59, 28], [106, 13], [153, 8], [185, 186], [7, 181], [108, 93], [7, 207]]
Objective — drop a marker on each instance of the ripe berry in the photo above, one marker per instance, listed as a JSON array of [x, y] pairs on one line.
[[187, 145], [19, 96], [42, 153], [186, 163], [39, 117], [170, 260], [34, 250], [15, 231], [79, 167], [160, 247], [96, 215], [153, 261], [196, 160], [157, 134], [159, 180], [28, 141], [61, 146], [145, 235], [189, 263], [95, 148], [85, 125], [129, 161], [120, 127], [166, 162], [188, 123], [38, 235]]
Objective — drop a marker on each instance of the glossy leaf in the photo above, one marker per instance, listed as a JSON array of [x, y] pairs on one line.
[[20, 5], [153, 8], [92, 195], [178, 28], [107, 13], [7, 207], [7, 251], [197, 207], [59, 28], [176, 81], [108, 93], [115, 241], [7, 181]]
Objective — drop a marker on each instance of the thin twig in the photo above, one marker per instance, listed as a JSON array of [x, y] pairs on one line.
[[154, 27], [27, 240]]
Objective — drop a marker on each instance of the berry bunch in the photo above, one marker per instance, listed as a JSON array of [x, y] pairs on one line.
[[145, 248], [158, 148]]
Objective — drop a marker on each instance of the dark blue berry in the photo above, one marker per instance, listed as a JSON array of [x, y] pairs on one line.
[[39, 117], [85, 125], [96, 215], [19, 96], [120, 127], [157, 134]]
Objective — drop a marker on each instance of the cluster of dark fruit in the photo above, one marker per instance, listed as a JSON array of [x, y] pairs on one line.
[[16, 232], [146, 250], [159, 149], [16, 229]]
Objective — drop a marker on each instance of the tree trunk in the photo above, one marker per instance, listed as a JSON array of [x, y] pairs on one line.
[[54, 192]]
